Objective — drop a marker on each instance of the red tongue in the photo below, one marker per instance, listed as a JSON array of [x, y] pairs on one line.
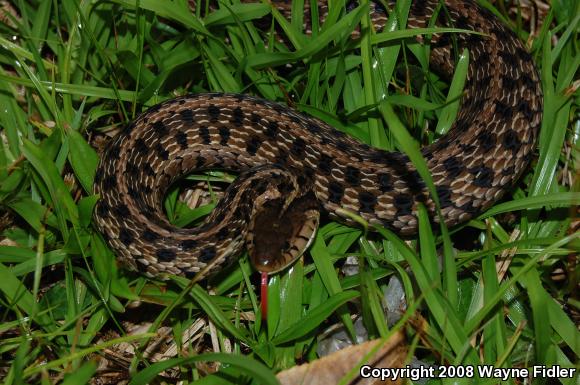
[[264, 294]]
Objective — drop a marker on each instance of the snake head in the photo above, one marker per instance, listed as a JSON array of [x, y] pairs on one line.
[[281, 229]]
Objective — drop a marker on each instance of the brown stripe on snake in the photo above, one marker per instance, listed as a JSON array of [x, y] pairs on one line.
[[293, 165]]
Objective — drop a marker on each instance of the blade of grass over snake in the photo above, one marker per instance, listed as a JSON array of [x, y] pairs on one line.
[[449, 112], [411, 148], [377, 136], [563, 199]]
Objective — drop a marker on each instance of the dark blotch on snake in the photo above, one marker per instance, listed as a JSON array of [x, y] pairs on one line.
[[335, 192], [200, 162], [280, 109], [503, 109], [418, 8], [181, 138], [166, 255], [282, 158], [508, 58], [141, 147], [150, 236], [523, 54], [385, 184], [298, 147], [471, 40], [313, 127], [148, 170], [414, 181], [161, 151], [487, 140], [511, 141], [524, 107], [102, 209], [404, 204], [131, 169], [110, 182], [325, 164], [259, 186], [238, 117], [207, 254], [509, 83], [467, 147], [442, 41], [253, 145], [453, 167], [255, 118], [214, 113], [352, 176], [223, 234], [462, 22], [284, 187], [134, 193], [204, 135], [98, 175], [187, 116], [469, 208], [483, 176], [114, 151], [508, 171], [122, 210], [225, 135], [141, 267], [272, 129], [342, 146], [527, 81], [482, 83], [444, 194], [367, 201], [126, 237], [161, 128], [188, 244], [190, 274]]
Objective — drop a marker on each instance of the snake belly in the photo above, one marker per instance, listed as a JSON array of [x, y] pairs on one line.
[[486, 150]]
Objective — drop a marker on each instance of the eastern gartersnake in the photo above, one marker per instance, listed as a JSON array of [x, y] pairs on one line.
[[280, 151]]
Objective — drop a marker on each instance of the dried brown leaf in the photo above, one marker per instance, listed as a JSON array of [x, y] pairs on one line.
[[330, 370]]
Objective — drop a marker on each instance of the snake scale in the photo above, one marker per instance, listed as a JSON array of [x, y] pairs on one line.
[[292, 166]]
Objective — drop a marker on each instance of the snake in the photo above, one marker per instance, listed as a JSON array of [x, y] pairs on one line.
[[293, 167]]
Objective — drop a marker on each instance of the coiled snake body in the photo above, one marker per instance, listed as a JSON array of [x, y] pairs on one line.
[[293, 165]]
